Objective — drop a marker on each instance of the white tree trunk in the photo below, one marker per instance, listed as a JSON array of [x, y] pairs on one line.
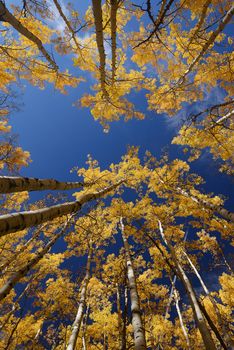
[[84, 327], [21, 250], [200, 22], [10, 184], [18, 221], [222, 119], [184, 330], [198, 316], [219, 317], [197, 313], [226, 214], [6, 288], [15, 306], [210, 41], [138, 329], [218, 209], [80, 312], [197, 274]]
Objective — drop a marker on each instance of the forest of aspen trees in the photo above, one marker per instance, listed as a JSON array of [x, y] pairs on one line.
[[137, 255]]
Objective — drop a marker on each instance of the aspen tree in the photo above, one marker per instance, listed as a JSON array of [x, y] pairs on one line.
[[176, 297], [97, 13], [80, 311], [69, 26], [210, 41], [18, 221], [6, 288], [207, 292], [10, 184], [206, 336], [6, 16], [113, 16], [139, 336]]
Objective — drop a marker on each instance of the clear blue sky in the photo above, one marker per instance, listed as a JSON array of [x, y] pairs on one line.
[[59, 137]]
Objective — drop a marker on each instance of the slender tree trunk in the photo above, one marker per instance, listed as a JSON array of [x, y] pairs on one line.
[[21, 250], [170, 297], [200, 22], [36, 338], [218, 209], [15, 306], [6, 16], [137, 324], [210, 41], [226, 214], [6, 288], [97, 13], [197, 274], [175, 277], [84, 327], [176, 297], [68, 24], [198, 316], [114, 8], [83, 343], [202, 309], [80, 312], [10, 184], [220, 321], [222, 119], [18, 221], [120, 328], [213, 326], [124, 318], [105, 342]]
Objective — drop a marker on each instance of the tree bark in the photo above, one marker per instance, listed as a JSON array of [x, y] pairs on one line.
[[114, 7], [210, 41], [198, 316], [137, 324], [118, 305], [218, 209], [15, 306], [68, 24], [21, 250], [222, 119], [200, 22], [18, 221], [6, 16], [97, 13], [7, 287], [220, 321], [176, 297], [124, 318], [80, 312], [11, 184], [84, 327], [197, 313], [226, 214]]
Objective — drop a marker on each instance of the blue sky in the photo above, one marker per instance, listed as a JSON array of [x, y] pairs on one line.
[[59, 137]]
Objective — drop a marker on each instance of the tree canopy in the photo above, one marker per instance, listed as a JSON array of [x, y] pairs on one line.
[[136, 255]]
